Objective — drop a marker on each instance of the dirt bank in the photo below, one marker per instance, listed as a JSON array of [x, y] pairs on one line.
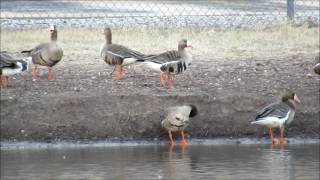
[[83, 103]]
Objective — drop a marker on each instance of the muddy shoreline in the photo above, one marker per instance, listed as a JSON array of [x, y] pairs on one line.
[[84, 104]]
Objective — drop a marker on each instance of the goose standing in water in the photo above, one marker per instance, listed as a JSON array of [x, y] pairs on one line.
[[170, 62], [10, 66], [278, 115], [178, 119], [118, 55], [46, 54]]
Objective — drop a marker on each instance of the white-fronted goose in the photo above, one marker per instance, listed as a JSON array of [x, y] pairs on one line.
[[278, 115], [177, 119], [10, 66], [118, 55], [170, 62], [46, 54]]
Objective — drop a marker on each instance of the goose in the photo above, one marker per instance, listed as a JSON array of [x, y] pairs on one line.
[[10, 66], [118, 55], [170, 62], [46, 54], [177, 119], [278, 115]]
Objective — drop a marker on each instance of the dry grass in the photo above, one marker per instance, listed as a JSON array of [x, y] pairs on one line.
[[208, 45]]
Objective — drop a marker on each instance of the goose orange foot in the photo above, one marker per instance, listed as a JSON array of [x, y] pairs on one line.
[[50, 74], [273, 140], [282, 140], [183, 140]]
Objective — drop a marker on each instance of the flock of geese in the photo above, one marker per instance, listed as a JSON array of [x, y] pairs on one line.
[[277, 115]]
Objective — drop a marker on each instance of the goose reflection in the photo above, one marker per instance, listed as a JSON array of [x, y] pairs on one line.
[[177, 164], [277, 162]]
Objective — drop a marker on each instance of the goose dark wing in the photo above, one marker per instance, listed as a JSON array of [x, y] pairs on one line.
[[125, 52], [273, 110], [164, 57], [6, 61]]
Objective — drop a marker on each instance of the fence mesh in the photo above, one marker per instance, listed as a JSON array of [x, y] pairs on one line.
[[224, 14]]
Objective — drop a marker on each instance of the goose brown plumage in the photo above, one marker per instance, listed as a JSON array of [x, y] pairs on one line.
[[170, 62], [177, 119], [46, 54], [118, 55]]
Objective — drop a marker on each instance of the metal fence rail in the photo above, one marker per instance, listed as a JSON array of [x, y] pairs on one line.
[[128, 13]]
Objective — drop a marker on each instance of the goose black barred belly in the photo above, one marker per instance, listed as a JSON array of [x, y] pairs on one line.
[[170, 62]]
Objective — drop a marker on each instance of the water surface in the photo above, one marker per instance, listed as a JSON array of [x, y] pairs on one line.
[[292, 161]]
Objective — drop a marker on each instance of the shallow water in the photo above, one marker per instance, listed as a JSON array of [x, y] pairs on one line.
[[197, 161]]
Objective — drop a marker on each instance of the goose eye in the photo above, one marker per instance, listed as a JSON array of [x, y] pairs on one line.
[[177, 118]]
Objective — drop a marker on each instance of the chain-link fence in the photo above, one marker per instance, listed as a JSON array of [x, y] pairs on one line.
[[224, 14]]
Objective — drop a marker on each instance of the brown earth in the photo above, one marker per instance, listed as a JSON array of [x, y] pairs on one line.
[[84, 103]]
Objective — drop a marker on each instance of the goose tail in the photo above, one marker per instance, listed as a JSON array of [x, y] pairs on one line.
[[26, 51], [194, 110]]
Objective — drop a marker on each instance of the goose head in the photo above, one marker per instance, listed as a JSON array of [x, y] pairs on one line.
[[53, 32], [183, 43], [108, 35], [292, 98]]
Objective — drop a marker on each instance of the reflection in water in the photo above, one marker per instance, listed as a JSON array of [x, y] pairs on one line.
[[164, 162], [276, 161], [178, 163]]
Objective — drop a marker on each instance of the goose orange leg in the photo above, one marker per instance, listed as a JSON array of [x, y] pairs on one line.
[[119, 75], [50, 73], [170, 137], [170, 80], [4, 82], [183, 140], [273, 141], [34, 72], [161, 79], [282, 141]]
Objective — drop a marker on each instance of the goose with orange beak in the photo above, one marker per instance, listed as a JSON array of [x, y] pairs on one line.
[[278, 115], [170, 62]]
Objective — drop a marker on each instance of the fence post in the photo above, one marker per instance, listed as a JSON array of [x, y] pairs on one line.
[[290, 10]]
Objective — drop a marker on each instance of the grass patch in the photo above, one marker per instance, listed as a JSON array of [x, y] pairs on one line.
[[208, 45]]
